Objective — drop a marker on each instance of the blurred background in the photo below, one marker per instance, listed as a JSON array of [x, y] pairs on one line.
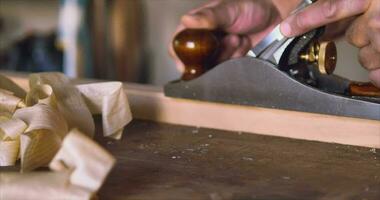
[[123, 40]]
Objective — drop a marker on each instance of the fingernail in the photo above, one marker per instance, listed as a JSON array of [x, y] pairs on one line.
[[286, 29], [193, 13], [189, 16], [234, 40], [193, 16]]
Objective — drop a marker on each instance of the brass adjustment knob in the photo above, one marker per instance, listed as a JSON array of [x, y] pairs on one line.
[[323, 55]]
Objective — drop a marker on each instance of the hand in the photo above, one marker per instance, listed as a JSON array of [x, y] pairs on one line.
[[363, 29], [246, 22]]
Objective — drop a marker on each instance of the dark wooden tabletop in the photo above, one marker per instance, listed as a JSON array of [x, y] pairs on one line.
[[162, 161]]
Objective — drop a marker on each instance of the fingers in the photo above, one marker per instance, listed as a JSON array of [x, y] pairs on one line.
[[236, 17], [374, 76], [234, 46], [249, 16], [244, 47], [369, 58], [229, 45], [374, 29], [321, 13], [357, 33], [196, 18], [365, 34], [336, 30]]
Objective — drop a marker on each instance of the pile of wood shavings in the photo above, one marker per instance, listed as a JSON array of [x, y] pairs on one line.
[[52, 124]]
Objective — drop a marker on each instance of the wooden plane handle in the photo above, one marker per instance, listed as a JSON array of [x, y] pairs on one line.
[[198, 50], [364, 89]]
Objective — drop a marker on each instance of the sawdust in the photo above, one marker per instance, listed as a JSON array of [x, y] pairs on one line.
[[195, 131], [247, 158], [176, 157]]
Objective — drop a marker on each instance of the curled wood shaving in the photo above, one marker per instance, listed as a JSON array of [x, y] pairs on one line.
[[105, 99], [77, 172]]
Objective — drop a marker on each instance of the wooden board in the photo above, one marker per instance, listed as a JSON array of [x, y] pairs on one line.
[[149, 102]]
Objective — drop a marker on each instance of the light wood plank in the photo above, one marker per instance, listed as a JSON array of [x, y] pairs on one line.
[[150, 103]]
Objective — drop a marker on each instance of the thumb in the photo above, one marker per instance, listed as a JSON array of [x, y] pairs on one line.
[[236, 17]]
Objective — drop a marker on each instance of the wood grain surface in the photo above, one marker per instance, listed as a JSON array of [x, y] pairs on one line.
[[162, 161], [171, 162]]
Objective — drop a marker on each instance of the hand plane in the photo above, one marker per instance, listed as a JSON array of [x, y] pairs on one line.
[[281, 73]]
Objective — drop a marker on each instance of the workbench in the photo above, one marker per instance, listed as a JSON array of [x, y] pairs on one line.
[[162, 161]]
